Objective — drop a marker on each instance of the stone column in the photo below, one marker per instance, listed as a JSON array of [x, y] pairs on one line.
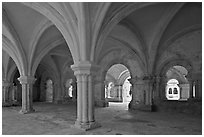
[[27, 94], [198, 88], [149, 90], [162, 93], [197, 80], [191, 81], [74, 90], [141, 94], [57, 93], [137, 86], [99, 87], [5, 92], [13, 93], [157, 95], [119, 92], [84, 72]]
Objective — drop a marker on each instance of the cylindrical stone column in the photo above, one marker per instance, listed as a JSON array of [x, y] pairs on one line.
[[79, 99], [85, 108], [84, 98], [91, 100], [13, 93], [27, 93], [120, 92], [191, 81], [156, 93]]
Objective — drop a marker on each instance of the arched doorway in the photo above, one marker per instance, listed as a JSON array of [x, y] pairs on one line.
[[49, 91], [117, 86]]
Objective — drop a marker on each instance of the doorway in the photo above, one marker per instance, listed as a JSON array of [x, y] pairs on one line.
[[118, 87]]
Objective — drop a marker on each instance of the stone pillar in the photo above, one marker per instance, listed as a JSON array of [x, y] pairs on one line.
[[197, 80], [74, 90], [191, 81], [99, 87], [163, 83], [149, 90], [27, 93], [198, 88], [13, 93], [57, 93], [141, 94], [137, 86], [119, 92], [157, 95], [5, 92], [85, 96]]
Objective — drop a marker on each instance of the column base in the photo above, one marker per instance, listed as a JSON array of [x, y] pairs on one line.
[[141, 107], [26, 111], [86, 126]]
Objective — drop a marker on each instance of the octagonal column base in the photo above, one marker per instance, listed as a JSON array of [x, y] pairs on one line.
[[26, 111], [86, 126]]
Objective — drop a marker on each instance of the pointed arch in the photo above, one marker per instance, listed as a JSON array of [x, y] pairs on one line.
[[164, 22], [38, 32], [67, 28], [114, 19], [9, 48], [12, 44], [43, 53]]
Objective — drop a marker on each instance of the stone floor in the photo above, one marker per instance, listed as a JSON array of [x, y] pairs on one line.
[[115, 120]]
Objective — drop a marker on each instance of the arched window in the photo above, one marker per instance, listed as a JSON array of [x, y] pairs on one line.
[[172, 90]]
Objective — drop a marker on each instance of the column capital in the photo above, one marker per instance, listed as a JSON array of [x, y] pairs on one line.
[[136, 80], [27, 79], [84, 67], [148, 78], [158, 78]]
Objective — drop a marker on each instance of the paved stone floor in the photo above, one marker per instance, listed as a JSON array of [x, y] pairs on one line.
[[115, 120]]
